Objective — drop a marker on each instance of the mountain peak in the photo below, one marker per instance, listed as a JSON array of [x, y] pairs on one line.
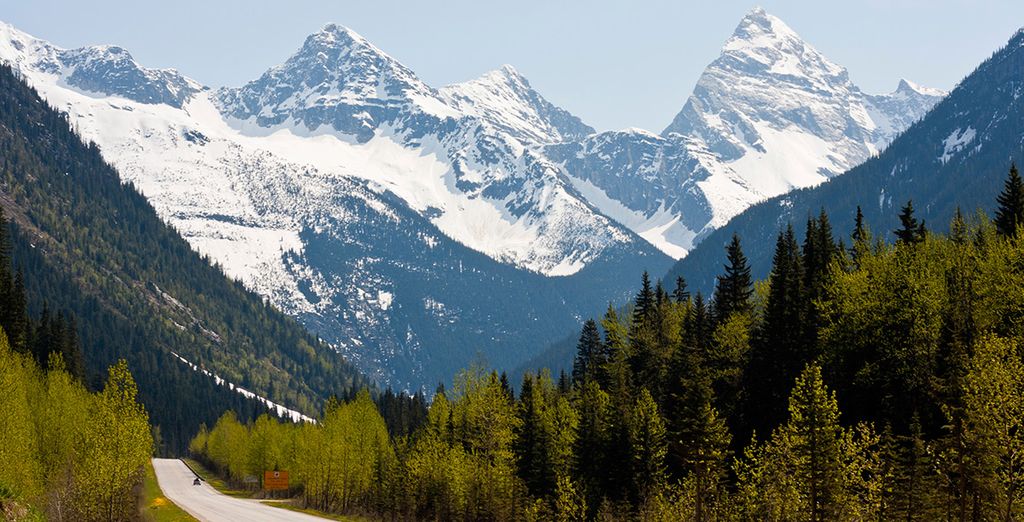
[[759, 23], [505, 99], [908, 87], [764, 40], [334, 36]]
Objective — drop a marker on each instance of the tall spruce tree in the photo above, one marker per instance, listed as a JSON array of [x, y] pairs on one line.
[[531, 441], [589, 353], [647, 446], [698, 438], [819, 250], [593, 439], [911, 230], [1010, 213], [735, 286], [860, 229], [779, 350], [860, 239], [698, 329], [681, 294], [643, 305]]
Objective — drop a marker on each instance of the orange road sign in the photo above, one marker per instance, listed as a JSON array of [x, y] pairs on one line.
[[275, 480]]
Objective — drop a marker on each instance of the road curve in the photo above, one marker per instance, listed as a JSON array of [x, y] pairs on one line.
[[209, 505]]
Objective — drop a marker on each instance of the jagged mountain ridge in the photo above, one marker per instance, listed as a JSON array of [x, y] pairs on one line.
[[769, 115], [340, 84], [505, 99], [280, 180], [343, 234]]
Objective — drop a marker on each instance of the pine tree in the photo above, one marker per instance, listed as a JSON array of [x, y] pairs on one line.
[[570, 503], [617, 374], [861, 239], [735, 286], [819, 251], [660, 295], [911, 231], [1010, 213], [818, 437], [644, 302], [589, 353], [18, 328], [681, 294], [811, 468], [860, 229], [699, 439], [506, 387], [958, 228], [779, 352], [594, 438], [531, 446], [917, 494], [42, 342], [564, 382], [648, 447], [698, 328], [993, 439]]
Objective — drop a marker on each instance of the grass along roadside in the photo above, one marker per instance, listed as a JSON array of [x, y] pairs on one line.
[[155, 506], [290, 504], [295, 505]]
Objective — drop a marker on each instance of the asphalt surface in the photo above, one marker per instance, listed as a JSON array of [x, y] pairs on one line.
[[209, 505]]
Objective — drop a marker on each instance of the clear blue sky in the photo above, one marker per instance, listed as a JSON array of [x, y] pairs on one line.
[[614, 64]]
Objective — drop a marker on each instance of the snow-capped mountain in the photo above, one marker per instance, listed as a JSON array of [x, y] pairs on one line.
[[769, 115], [954, 160], [411, 235], [505, 99], [417, 228], [479, 185]]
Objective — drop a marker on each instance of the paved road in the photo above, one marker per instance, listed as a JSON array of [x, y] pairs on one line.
[[209, 505]]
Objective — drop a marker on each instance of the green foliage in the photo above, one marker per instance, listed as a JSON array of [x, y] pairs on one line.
[[67, 453], [647, 445], [989, 461], [922, 339], [811, 468]]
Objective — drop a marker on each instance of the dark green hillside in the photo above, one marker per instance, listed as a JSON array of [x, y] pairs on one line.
[[95, 248]]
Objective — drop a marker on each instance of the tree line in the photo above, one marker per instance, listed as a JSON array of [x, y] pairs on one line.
[[862, 380]]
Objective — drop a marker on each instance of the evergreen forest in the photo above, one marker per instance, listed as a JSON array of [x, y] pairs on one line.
[[875, 375]]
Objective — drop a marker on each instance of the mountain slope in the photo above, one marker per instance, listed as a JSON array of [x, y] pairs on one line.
[[769, 115], [338, 186], [95, 247], [957, 156], [505, 99]]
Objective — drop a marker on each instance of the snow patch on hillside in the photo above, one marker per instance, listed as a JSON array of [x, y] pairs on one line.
[[956, 142], [278, 409]]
